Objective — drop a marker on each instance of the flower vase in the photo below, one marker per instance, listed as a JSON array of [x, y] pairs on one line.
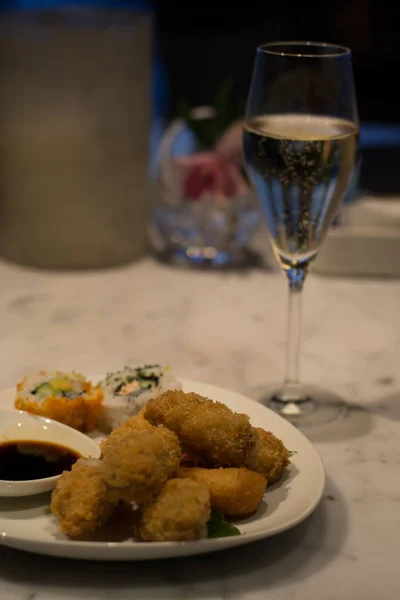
[[205, 213]]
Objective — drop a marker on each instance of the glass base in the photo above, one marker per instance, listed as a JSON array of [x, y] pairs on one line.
[[316, 408], [210, 257]]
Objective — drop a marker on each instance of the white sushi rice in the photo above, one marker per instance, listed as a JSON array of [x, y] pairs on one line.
[[127, 391]]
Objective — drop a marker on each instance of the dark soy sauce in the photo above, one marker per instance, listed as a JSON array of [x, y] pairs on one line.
[[27, 460]]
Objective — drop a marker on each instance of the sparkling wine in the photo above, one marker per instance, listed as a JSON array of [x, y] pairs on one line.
[[300, 167]]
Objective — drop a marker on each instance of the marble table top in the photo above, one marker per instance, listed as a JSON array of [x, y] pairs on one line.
[[229, 329]]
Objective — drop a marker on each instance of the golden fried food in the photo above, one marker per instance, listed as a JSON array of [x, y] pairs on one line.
[[269, 455], [80, 500], [181, 456], [179, 513], [136, 423], [210, 428], [233, 491], [137, 466], [213, 435]]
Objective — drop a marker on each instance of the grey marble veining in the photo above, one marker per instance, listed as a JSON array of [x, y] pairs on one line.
[[229, 329]]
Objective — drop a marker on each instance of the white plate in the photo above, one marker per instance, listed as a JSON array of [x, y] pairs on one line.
[[25, 523]]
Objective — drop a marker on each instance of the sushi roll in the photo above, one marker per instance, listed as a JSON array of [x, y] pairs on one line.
[[65, 397], [128, 390]]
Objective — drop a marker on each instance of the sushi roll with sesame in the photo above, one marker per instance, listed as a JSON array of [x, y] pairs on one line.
[[128, 390], [66, 397]]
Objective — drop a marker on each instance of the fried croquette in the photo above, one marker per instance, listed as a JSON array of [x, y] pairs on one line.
[[136, 467], [213, 435], [136, 423], [269, 455], [80, 500], [210, 428], [179, 513], [233, 491]]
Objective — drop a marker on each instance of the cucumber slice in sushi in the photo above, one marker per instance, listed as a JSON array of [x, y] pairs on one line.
[[44, 390]]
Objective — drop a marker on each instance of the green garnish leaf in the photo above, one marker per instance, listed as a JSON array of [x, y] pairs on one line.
[[218, 526], [292, 453]]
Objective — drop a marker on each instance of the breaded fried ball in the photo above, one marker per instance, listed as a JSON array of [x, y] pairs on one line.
[[136, 467], [136, 423], [80, 500], [179, 513]]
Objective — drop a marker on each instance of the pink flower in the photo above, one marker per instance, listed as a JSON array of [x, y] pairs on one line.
[[209, 172]]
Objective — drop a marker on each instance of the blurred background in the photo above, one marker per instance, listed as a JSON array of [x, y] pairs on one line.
[[75, 93], [199, 44]]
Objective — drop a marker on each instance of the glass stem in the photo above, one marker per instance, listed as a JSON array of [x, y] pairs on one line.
[[292, 391]]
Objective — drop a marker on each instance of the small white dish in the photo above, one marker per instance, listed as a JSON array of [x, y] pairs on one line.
[[17, 425]]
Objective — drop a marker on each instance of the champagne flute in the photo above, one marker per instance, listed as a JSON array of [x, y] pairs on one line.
[[300, 148]]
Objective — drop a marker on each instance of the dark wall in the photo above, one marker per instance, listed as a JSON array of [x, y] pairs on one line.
[[203, 42]]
